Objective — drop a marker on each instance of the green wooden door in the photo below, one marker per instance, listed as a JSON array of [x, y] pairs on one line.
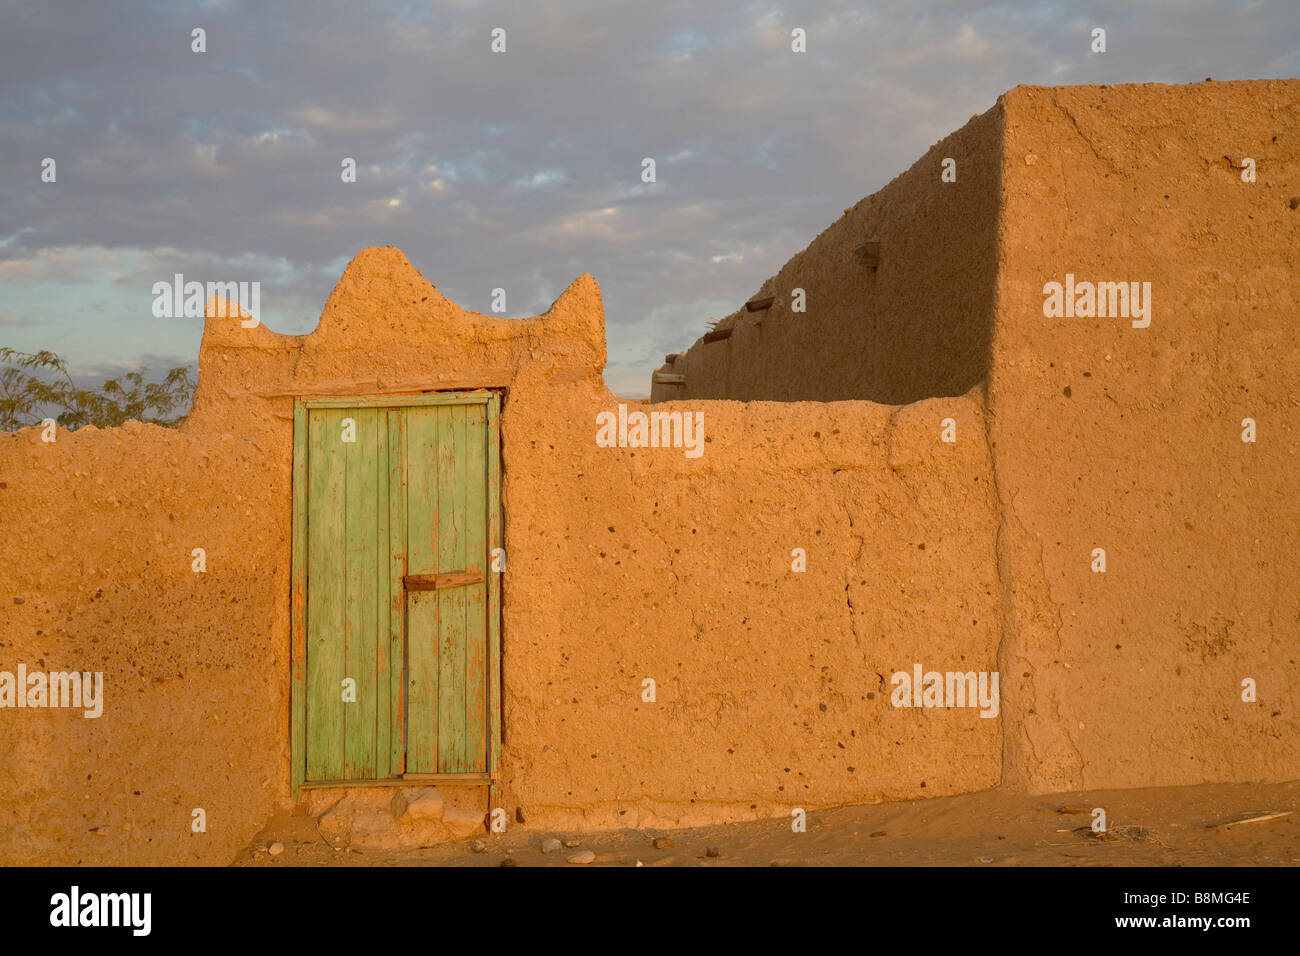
[[396, 605]]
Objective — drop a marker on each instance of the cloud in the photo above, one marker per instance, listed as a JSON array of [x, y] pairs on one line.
[[518, 170]]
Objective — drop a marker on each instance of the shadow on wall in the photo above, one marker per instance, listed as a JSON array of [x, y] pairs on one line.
[[893, 303]]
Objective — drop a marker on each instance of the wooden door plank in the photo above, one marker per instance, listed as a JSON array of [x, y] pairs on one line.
[[422, 530], [451, 603], [326, 580], [382, 579], [360, 628], [476, 518], [494, 580], [396, 478]]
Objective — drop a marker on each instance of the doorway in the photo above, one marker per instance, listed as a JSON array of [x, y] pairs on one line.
[[396, 599]]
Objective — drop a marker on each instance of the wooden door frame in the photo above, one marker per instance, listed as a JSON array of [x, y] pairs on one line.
[[298, 594]]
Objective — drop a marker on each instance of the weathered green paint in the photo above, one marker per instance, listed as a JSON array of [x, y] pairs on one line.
[[451, 602], [326, 592], [417, 493], [359, 633], [474, 651], [422, 491], [383, 612], [396, 596]]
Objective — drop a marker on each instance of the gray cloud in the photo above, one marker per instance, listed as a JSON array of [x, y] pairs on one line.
[[518, 170]]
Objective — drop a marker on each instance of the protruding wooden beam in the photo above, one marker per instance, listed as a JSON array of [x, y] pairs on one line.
[[668, 378], [437, 582], [759, 305], [717, 335], [868, 253]]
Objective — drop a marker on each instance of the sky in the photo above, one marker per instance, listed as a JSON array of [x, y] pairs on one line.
[[517, 170]]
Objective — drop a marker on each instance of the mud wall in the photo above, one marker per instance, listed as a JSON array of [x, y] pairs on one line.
[[95, 560], [772, 685], [1103, 435], [1130, 439], [622, 564], [917, 325]]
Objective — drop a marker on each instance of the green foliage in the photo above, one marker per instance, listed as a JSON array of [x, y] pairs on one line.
[[36, 385]]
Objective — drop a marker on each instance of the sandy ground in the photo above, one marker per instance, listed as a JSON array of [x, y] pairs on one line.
[[1171, 826]]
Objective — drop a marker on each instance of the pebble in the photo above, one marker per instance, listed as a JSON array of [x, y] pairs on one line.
[[571, 843], [275, 849], [663, 843], [478, 846], [508, 862], [586, 856], [551, 845], [713, 851]]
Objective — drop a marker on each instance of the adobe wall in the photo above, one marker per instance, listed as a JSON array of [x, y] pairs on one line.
[[622, 564], [95, 560], [917, 326], [627, 563], [1129, 439], [1103, 435], [773, 686]]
